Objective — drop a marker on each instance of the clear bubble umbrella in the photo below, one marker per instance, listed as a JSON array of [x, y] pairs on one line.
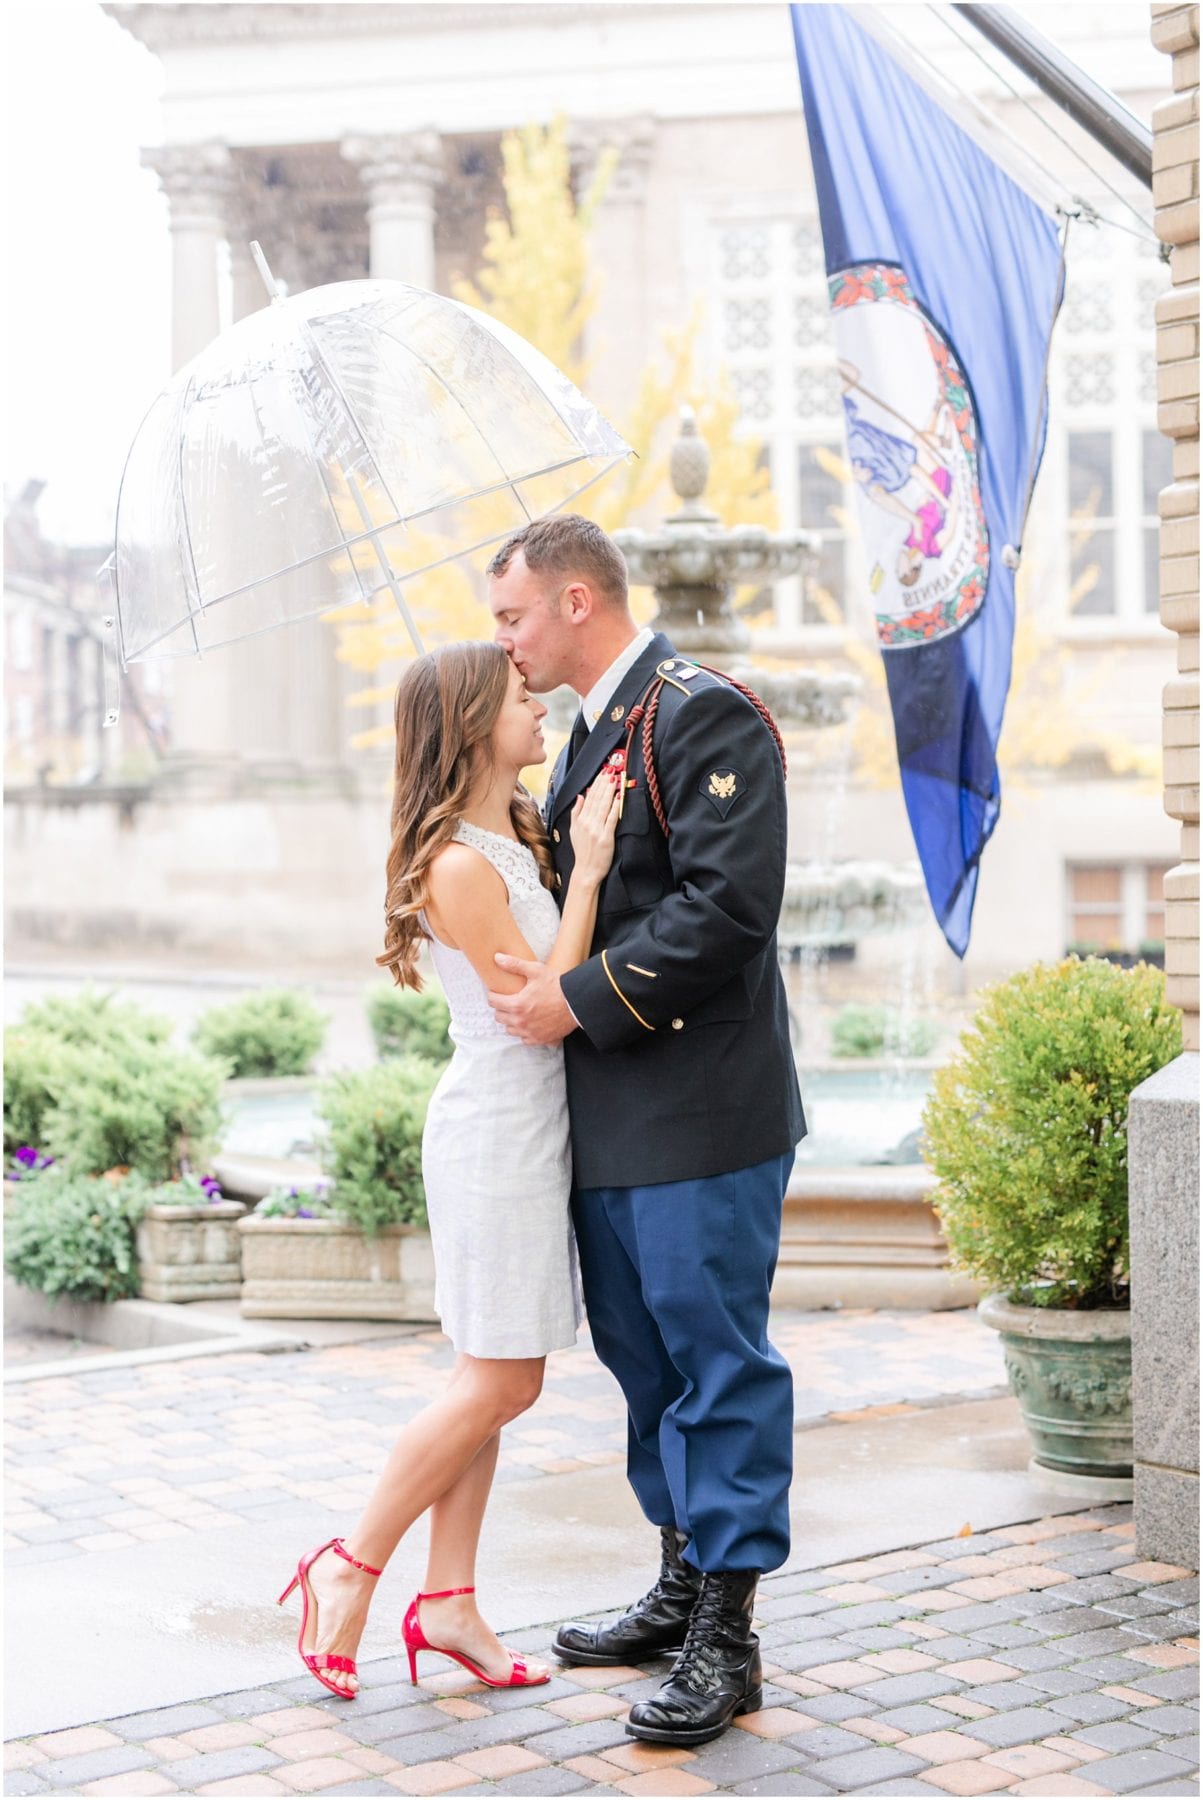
[[327, 450]]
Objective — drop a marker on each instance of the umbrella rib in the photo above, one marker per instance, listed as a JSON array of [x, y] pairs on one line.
[[507, 479], [483, 543], [361, 537], [319, 466], [188, 594], [468, 550], [401, 522], [315, 350]]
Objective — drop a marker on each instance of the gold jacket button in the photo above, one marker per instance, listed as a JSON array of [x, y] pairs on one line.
[[678, 1024], [559, 881], [555, 836]]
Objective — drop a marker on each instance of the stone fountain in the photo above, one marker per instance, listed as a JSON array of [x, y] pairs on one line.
[[694, 563], [859, 1235]]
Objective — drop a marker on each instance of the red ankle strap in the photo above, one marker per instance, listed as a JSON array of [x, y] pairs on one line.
[[339, 1549], [446, 1593]]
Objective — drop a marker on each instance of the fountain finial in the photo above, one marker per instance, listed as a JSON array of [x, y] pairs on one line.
[[694, 561], [689, 467]]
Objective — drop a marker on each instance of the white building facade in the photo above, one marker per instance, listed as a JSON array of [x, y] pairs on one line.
[[366, 139]]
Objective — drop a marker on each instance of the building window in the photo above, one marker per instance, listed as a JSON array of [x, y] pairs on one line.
[[822, 507], [1116, 907], [1104, 449], [771, 331], [1091, 523]]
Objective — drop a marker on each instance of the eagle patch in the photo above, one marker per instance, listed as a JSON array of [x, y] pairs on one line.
[[723, 787]]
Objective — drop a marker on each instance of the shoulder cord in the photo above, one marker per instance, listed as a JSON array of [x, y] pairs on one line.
[[644, 712]]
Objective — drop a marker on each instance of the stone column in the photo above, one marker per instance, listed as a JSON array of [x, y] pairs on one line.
[[1163, 1121], [617, 333], [196, 179], [400, 175]]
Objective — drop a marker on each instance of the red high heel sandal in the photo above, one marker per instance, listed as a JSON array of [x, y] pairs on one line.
[[313, 1662], [415, 1639]]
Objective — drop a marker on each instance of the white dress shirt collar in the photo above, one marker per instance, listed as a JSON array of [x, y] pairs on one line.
[[598, 697]]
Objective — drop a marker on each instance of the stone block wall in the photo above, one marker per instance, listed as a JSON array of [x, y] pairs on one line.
[[1175, 30], [1163, 1119]]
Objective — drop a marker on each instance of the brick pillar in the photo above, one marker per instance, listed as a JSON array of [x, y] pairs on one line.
[[1176, 198], [1163, 1113]]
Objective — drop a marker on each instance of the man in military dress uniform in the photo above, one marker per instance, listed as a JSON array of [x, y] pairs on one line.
[[683, 1102]]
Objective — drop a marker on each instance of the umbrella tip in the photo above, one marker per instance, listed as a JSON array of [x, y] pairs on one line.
[[269, 280]]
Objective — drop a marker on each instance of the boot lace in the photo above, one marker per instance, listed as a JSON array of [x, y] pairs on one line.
[[656, 1591], [697, 1664]]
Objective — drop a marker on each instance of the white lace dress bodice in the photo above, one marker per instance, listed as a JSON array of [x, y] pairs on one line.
[[535, 913], [496, 1162]]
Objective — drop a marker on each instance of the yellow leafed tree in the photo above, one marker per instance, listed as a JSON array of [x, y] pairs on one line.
[[535, 278]]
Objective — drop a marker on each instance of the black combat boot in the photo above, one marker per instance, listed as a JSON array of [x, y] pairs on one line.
[[717, 1675], [654, 1626]]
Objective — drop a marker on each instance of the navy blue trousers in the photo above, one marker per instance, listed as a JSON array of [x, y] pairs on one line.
[[676, 1279]]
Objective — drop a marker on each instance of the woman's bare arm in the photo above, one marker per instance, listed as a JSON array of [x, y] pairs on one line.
[[468, 907]]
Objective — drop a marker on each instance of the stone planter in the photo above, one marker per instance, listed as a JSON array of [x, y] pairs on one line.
[[320, 1269], [190, 1252], [1072, 1375]]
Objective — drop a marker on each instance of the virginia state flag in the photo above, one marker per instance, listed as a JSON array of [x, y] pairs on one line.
[[945, 278]]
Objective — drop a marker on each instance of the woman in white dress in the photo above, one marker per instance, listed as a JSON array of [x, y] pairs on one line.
[[469, 876]]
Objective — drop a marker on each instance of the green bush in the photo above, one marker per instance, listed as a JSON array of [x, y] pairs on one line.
[[74, 1235], [33, 1074], [374, 1119], [41, 1057], [142, 1107], [871, 1031], [275, 1032], [1027, 1128], [92, 1018], [407, 1024]]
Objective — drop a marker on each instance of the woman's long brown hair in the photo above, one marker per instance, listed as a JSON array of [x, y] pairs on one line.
[[446, 707]]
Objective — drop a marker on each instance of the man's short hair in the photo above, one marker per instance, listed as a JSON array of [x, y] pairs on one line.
[[565, 545]]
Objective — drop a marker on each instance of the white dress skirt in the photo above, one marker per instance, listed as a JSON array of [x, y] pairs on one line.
[[496, 1162]]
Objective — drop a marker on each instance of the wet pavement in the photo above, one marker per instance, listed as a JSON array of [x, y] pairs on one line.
[[1041, 1659], [915, 1641]]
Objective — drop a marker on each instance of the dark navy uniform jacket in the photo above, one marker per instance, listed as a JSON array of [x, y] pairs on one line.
[[682, 1067]]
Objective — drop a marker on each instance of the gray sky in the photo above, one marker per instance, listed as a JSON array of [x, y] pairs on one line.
[[89, 267]]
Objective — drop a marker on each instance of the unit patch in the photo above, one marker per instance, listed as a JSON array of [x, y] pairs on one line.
[[723, 787]]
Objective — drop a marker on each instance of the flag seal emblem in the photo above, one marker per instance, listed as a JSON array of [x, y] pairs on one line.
[[913, 437]]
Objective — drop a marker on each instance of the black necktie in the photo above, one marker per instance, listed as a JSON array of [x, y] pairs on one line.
[[576, 743]]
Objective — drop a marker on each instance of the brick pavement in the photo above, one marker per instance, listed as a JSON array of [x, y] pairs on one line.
[[104, 1458], [1043, 1659]]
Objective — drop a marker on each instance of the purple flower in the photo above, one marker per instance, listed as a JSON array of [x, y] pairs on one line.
[[29, 1161], [303, 1212]]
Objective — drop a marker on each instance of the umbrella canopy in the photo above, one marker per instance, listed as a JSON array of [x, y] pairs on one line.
[[329, 448]]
